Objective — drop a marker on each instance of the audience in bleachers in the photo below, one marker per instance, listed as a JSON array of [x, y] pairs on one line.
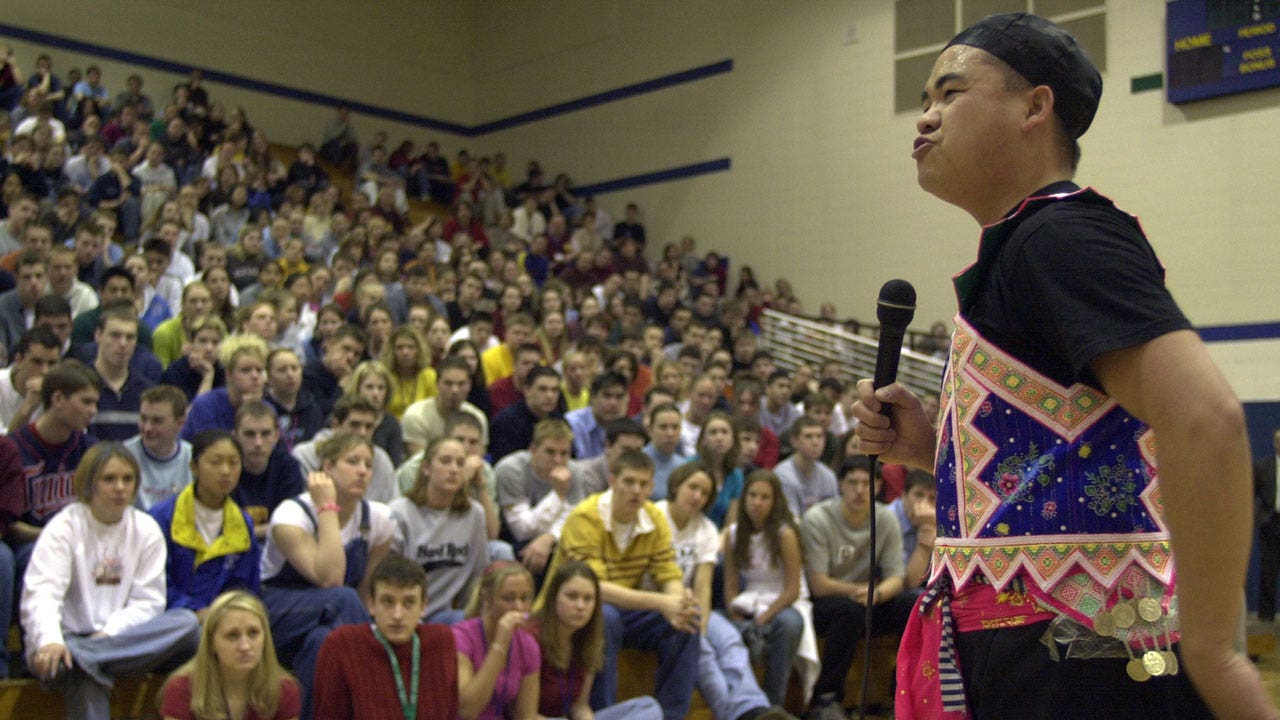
[[388, 325]]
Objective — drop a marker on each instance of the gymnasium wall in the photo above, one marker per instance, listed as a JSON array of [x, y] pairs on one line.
[[819, 185]]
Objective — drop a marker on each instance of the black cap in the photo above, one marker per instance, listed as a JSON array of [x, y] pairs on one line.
[[1044, 54]]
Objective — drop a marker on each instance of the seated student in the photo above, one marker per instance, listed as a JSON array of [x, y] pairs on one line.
[[11, 476], [396, 665], [269, 475], [664, 428], [725, 678], [747, 429], [570, 631], [512, 429], [117, 284], [122, 385], [49, 450], [764, 585], [718, 450], [245, 358], [507, 391], [321, 548], [36, 352], [696, 409], [164, 458], [441, 528], [300, 417], [235, 670], [499, 361], [479, 395], [54, 313], [93, 599], [172, 334], [576, 386], [198, 370], [623, 537], [210, 541], [323, 378], [836, 534], [537, 488], [806, 481], [916, 510], [747, 394], [776, 411], [608, 402], [819, 406], [372, 381], [354, 415], [413, 378], [424, 421], [498, 659], [620, 435]]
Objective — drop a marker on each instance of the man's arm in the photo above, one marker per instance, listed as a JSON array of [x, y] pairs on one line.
[[1202, 451]]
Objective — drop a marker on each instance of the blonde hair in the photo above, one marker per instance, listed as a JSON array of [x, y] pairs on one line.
[[351, 385], [207, 700], [96, 458], [233, 348], [403, 332], [492, 579]]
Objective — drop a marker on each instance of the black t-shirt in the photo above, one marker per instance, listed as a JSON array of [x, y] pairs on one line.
[[1072, 280]]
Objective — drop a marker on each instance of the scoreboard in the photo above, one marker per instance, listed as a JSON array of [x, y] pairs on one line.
[[1220, 47]]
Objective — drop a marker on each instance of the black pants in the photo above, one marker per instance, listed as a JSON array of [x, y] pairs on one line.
[[842, 622], [1008, 673]]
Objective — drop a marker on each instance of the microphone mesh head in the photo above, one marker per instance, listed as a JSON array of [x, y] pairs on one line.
[[896, 305]]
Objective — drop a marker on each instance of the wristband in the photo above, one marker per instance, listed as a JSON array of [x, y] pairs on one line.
[[328, 506]]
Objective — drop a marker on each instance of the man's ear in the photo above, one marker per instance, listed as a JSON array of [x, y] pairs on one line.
[[1040, 103]]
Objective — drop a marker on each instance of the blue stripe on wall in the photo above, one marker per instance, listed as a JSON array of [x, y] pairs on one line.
[[291, 93], [1247, 331], [608, 96], [655, 177]]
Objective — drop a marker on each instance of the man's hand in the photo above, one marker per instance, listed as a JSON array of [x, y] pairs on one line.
[[560, 477], [859, 593], [536, 554], [681, 611], [50, 660], [471, 471], [906, 436], [32, 395]]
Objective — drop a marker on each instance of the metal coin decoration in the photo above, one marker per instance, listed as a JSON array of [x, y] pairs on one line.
[[1153, 662], [1136, 671], [1149, 609], [1170, 662], [1123, 615], [1104, 624]]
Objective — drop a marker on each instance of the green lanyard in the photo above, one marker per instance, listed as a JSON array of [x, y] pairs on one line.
[[408, 704]]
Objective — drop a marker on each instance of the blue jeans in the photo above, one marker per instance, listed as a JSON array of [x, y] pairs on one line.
[[782, 642], [161, 643], [648, 630], [725, 677]]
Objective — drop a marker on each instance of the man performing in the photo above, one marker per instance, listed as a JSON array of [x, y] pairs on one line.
[[1072, 376]]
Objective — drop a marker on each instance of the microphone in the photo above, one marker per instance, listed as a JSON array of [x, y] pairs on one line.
[[895, 308]]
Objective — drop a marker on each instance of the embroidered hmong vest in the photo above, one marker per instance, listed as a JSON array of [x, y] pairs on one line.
[[1053, 485]]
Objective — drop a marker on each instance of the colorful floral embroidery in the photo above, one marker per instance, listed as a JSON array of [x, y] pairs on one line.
[[1112, 487], [1016, 474], [1049, 510]]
